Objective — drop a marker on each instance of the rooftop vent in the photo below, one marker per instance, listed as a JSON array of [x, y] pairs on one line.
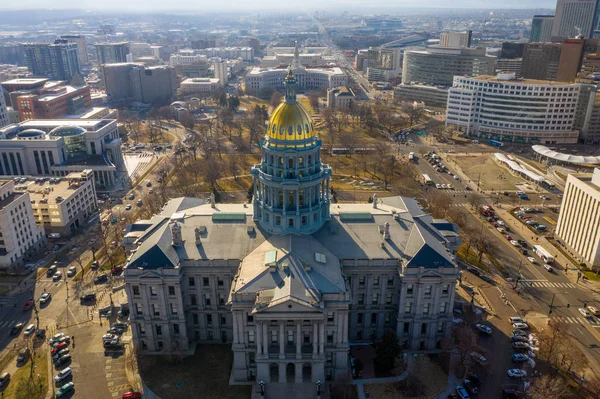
[[250, 230], [271, 260], [321, 258]]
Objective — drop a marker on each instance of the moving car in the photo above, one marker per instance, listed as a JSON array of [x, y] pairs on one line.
[[88, 297], [72, 271], [515, 243], [548, 267], [584, 312], [594, 311], [519, 358], [57, 276], [521, 326], [4, 379], [28, 305], [51, 270], [63, 375], [29, 330], [531, 259], [483, 328], [65, 389], [44, 298], [517, 373]]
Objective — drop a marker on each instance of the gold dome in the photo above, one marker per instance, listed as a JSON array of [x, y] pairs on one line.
[[290, 122]]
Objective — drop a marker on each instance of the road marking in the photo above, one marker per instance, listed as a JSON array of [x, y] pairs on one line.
[[108, 367], [581, 320], [581, 332], [110, 383]]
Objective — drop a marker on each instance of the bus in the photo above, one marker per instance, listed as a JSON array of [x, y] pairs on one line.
[[427, 180], [543, 254], [495, 143]]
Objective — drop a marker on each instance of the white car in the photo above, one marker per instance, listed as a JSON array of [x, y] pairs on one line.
[[56, 338], [456, 178], [516, 319], [548, 267], [521, 326], [438, 186], [478, 357], [517, 373], [64, 373], [29, 330], [44, 298], [531, 259], [109, 337], [584, 312], [515, 243]]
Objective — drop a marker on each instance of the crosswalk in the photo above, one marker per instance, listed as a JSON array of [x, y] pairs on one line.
[[7, 323], [47, 283], [573, 320], [547, 284]]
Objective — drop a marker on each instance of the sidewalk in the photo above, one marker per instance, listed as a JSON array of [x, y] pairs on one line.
[[360, 383]]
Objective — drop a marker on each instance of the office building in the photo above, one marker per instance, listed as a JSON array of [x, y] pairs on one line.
[[199, 86], [21, 237], [511, 50], [12, 54], [245, 53], [456, 39], [129, 82], [541, 28], [437, 66], [290, 281], [37, 58], [221, 72], [110, 53], [81, 43], [186, 57], [52, 102], [383, 64], [341, 98], [433, 96], [509, 65], [4, 118], [578, 227], [523, 111], [61, 204], [9, 71], [306, 78], [61, 146], [58, 60], [574, 17], [587, 120], [553, 61]]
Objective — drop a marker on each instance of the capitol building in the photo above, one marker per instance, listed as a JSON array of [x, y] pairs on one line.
[[292, 279], [306, 78]]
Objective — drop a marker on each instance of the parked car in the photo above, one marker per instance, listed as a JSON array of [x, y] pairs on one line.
[[519, 358], [132, 395], [548, 267], [4, 380], [483, 328], [29, 330], [95, 265], [57, 355], [519, 333], [102, 278], [470, 387], [65, 389], [113, 345], [516, 319], [63, 360], [57, 276], [519, 338], [520, 345], [63, 375], [16, 329], [56, 338], [109, 337], [116, 270], [44, 298], [88, 297], [474, 378], [72, 271], [115, 331], [517, 373], [128, 207], [40, 333], [23, 355], [521, 326], [462, 392], [508, 393], [60, 346], [478, 357]]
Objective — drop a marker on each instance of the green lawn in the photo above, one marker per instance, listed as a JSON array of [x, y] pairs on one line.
[[25, 384], [205, 374]]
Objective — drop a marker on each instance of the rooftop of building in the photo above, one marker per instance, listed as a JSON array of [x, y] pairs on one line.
[[228, 231], [19, 81], [199, 80], [87, 113], [521, 81], [329, 71], [47, 97], [50, 190]]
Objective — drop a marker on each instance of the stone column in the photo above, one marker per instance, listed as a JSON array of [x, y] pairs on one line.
[[345, 334], [281, 341], [298, 342], [284, 204], [321, 338], [265, 331], [297, 202], [314, 338], [235, 329], [258, 339]]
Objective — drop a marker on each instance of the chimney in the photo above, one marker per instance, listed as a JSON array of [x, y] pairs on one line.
[[176, 234], [386, 231], [197, 233], [212, 200], [375, 201]]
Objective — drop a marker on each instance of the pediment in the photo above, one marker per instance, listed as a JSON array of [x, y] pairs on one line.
[[287, 305]]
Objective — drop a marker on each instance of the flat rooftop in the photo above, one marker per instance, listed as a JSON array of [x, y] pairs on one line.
[[18, 81], [489, 78], [49, 192], [85, 123]]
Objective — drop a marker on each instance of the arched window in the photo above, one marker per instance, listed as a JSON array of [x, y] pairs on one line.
[[274, 129], [306, 129], [299, 129], [301, 161], [290, 163], [290, 130], [281, 130]]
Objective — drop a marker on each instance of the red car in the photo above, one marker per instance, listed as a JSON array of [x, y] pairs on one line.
[[59, 347], [132, 395], [507, 237], [28, 305], [116, 270]]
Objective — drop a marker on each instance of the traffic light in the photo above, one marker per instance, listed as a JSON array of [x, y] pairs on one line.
[[568, 305], [585, 304]]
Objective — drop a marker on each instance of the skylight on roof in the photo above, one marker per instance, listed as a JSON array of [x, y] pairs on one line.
[[355, 216], [229, 217], [321, 258], [271, 258]]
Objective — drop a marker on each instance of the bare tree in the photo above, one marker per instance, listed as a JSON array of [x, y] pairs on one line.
[[211, 170], [463, 341], [546, 387], [438, 203], [276, 99], [593, 386], [413, 111], [313, 99], [187, 120]]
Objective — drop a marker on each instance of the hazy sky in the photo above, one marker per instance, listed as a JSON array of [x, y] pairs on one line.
[[348, 5]]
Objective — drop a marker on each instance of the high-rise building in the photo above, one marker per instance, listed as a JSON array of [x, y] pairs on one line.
[[291, 280], [127, 82], [12, 54], [456, 39], [574, 17], [429, 95], [4, 119], [20, 235], [579, 217], [511, 50], [221, 72], [541, 28], [552, 61], [64, 60], [509, 65], [509, 109], [37, 58], [437, 66], [109, 53], [81, 43], [383, 64]]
